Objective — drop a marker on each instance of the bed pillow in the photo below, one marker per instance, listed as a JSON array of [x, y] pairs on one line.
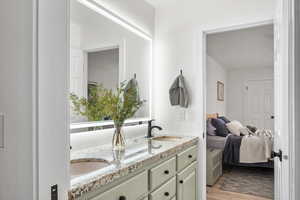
[[210, 129], [235, 127], [220, 125], [253, 129], [244, 131], [224, 119]]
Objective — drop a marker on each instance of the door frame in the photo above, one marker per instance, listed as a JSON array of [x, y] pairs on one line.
[[290, 99]]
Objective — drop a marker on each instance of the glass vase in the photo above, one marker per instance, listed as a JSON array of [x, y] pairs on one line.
[[118, 142]]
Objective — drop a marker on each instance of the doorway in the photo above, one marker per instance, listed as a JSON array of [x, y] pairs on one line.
[[240, 109]]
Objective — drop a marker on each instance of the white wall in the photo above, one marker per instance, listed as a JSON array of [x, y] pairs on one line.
[[215, 72], [53, 84], [297, 95], [236, 88], [16, 100], [103, 68], [179, 44], [75, 36]]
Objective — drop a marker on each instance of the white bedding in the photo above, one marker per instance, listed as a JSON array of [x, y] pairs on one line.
[[256, 148]]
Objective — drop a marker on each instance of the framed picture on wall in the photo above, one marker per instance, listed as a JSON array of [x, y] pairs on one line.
[[220, 91]]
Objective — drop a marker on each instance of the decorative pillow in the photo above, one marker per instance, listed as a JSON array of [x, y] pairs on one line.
[[220, 125], [224, 119], [252, 128], [244, 131], [210, 129], [235, 127]]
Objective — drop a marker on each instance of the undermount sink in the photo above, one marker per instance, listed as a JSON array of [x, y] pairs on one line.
[[80, 167], [167, 138]]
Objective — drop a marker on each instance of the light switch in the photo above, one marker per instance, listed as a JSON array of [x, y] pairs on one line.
[[1, 130]]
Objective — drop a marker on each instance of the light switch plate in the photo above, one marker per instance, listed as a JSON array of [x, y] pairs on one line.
[[1, 131]]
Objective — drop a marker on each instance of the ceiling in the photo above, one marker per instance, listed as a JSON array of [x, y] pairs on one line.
[[155, 3], [244, 48]]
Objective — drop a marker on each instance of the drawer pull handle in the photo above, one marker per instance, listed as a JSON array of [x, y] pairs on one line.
[[181, 181], [122, 198], [167, 194], [190, 156], [167, 172]]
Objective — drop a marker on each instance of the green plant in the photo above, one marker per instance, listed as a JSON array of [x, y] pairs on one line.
[[122, 104], [118, 105], [91, 107]]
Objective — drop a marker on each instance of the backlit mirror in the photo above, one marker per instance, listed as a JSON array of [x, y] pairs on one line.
[[105, 51]]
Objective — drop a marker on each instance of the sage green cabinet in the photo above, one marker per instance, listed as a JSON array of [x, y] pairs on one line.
[[185, 158], [187, 183], [165, 192], [133, 189], [174, 178], [162, 173]]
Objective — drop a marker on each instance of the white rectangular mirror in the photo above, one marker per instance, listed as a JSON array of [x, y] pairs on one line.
[[106, 50]]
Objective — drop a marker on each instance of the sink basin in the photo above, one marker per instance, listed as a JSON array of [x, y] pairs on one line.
[[81, 167], [167, 138]]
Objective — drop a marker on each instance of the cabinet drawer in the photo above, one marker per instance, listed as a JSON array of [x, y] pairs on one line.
[[132, 189], [165, 192], [187, 157], [162, 173]]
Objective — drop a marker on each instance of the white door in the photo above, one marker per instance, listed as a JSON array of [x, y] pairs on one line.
[[259, 104], [283, 80], [78, 83]]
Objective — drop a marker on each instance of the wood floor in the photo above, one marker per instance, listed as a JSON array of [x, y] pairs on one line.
[[214, 193]]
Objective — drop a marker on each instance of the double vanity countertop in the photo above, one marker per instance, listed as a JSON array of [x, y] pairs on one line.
[[140, 152]]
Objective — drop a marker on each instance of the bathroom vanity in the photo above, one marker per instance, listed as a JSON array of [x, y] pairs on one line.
[[161, 168]]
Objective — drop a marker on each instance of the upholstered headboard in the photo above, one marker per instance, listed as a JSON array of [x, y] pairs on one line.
[[210, 116]]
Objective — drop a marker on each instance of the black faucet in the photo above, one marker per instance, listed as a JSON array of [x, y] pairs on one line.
[[150, 128]]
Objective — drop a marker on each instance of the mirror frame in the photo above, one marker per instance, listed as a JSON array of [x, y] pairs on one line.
[[125, 23]]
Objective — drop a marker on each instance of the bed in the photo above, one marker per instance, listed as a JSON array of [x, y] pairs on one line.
[[230, 146], [215, 142]]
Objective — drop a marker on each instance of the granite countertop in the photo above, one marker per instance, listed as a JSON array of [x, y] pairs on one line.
[[139, 152]]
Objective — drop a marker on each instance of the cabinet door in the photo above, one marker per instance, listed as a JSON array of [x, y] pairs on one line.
[[187, 183]]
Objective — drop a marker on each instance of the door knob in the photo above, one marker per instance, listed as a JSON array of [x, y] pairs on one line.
[[277, 154], [122, 198]]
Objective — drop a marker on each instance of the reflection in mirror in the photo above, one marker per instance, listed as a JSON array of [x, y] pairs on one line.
[[103, 68], [105, 53]]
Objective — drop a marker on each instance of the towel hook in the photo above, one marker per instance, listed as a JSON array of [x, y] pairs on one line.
[[134, 75], [181, 71]]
